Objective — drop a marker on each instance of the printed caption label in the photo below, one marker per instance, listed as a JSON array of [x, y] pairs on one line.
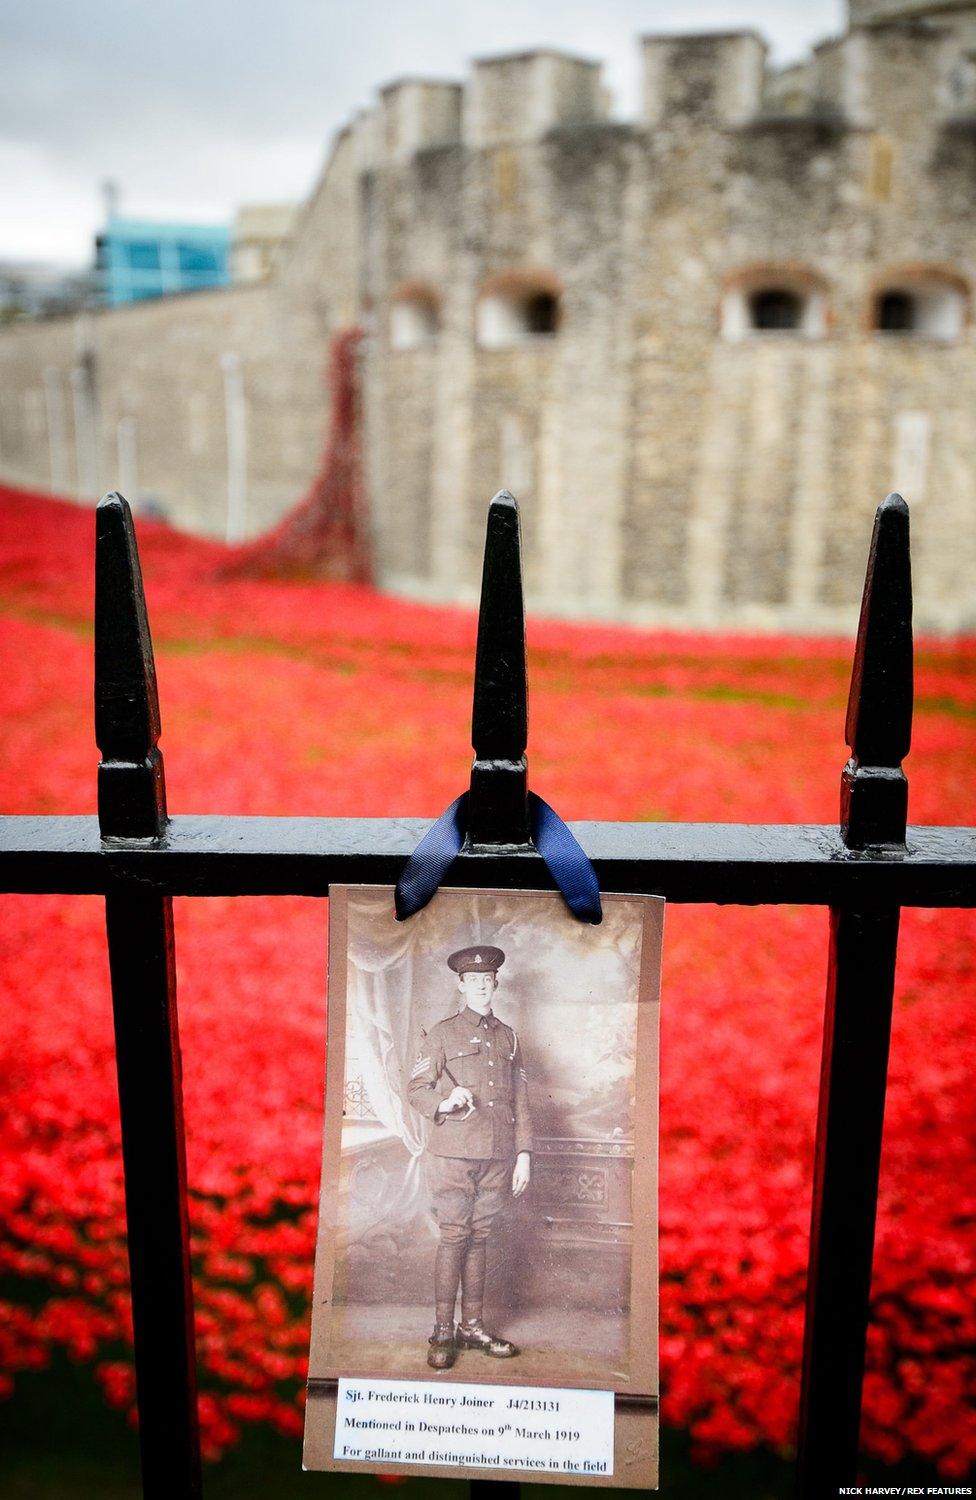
[[527, 1428]]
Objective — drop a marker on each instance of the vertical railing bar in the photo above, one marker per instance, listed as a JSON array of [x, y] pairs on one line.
[[499, 721], [497, 811], [139, 924], [857, 1024]]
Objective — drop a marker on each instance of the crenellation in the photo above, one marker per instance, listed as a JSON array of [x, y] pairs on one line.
[[906, 75], [711, 77], [417, 114], [841, 68], [788, 91], [522, 96]]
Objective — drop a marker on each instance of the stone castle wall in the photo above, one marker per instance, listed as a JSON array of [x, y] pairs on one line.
[[672, 463], [143, 397], [667, 472], [137, 398]]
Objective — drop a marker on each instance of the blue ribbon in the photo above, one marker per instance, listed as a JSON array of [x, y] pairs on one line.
[[441, 844], [565, 860], [431, 860]]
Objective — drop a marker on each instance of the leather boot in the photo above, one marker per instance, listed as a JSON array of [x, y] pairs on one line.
[[472, 1335], [443, 1349], [447, 1274], [473, 1281]]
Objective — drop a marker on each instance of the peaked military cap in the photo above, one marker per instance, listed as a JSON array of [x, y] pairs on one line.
[[479, 960]]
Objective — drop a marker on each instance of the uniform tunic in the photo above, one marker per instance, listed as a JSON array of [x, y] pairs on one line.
[[482, 1054]]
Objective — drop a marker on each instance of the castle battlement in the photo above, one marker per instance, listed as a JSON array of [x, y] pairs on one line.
[[522, 96], [419, 113], [718, 75], [718, 79]]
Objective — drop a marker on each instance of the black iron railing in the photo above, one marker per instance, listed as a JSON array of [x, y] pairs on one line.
[[138, 858]]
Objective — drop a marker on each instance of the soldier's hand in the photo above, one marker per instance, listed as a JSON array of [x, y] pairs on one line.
[[522, 1173], [459, 1098]]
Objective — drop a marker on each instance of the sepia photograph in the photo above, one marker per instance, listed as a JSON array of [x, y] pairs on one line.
[[490, 1143], [411, 410]]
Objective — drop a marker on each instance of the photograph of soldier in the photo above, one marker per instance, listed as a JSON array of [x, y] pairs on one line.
[[489, 1062], [470, 1081]]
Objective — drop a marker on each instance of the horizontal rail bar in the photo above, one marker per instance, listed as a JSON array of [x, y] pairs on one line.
[[726, 863]]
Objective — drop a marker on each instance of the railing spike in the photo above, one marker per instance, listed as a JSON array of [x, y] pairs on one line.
[[874, 789], [131, 786], [142, 962], [857, 1025], [499, 721]]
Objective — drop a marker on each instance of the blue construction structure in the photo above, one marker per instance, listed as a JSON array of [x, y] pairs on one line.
[[139, 258]]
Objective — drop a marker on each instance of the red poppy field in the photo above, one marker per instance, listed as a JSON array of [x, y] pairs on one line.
[[333, 700]]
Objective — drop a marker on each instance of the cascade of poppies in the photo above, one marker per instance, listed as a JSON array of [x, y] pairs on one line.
[[325, 536]]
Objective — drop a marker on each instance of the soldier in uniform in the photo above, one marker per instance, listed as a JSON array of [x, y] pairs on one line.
[[470, 1081]]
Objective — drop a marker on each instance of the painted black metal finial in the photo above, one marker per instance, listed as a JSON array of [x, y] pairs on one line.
[[131, 786], [857, 1024], [499, 813], [874, 788], [499, 724]]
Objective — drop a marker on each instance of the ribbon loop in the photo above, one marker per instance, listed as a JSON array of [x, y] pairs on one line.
[[431, 860], [566, 861], [442, 843]]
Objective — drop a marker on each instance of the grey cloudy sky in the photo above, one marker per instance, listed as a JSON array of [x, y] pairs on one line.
[[194, 106]]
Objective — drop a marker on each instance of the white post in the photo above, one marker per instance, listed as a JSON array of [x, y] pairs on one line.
[[57, 435], [125, 442], [33, 418], [86, 438], [235, 416]]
